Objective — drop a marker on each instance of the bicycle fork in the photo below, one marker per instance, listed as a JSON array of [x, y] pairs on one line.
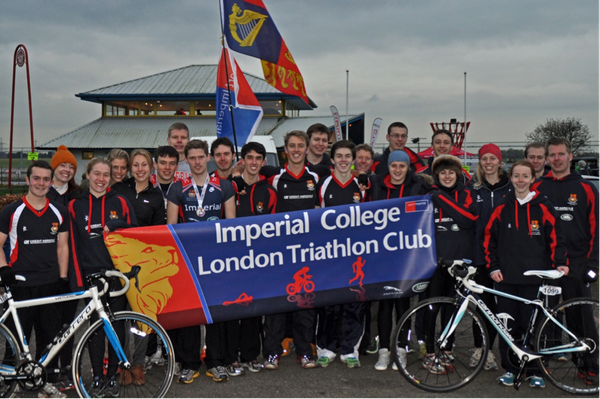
[[452, 324]]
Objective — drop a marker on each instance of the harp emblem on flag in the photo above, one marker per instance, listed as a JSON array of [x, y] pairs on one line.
[[244, 26]]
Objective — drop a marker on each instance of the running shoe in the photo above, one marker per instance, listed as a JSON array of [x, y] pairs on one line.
[[432, 364], [352, 362], [254, 366], [536, 382], [50, 391], [306, 362], [507, 379], [272, 363], [218, 374], [187, 376]]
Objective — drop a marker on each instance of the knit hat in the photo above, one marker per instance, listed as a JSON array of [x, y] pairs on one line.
[[63, 155], [398, 156], [490, 149], [443, 162]]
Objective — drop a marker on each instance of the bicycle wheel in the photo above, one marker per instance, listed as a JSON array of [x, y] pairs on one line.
[[571, 371], [10, 356], [94, 356], [449, 369]]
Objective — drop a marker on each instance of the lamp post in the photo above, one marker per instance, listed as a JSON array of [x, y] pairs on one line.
[[417, 141]]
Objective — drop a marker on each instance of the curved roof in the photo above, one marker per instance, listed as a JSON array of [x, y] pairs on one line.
[[193, 82]]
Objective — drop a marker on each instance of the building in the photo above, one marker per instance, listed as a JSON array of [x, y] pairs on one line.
[[138, 113]]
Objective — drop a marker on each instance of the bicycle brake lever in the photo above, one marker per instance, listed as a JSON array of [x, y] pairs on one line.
[[134, 274]]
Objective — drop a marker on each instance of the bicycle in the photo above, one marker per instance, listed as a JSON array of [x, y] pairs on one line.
[[18, 367], [453, 321]]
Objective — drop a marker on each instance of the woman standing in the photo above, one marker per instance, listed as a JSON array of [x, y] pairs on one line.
[[522, 234], [398, 182], [147, 200], [99, 210], [119, 163], [490, 186], [455, 218]]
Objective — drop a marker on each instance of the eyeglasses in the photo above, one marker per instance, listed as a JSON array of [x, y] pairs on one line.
[[399, 136]]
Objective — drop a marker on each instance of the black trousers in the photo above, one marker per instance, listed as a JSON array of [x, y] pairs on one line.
[[303, 332], [353, 325], [186, 344]]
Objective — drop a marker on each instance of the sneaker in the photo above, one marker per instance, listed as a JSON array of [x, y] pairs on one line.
[[254, 366], [588, 377], [536, 382], [50, 391], [218, 374], [112, 388], [401, 359], [157, 358], [177, 371], [476, 357], [234, 369], [490, 362], [383, 361], [65, 383], [507, 379], [352, 362], [272, 363], [373, 347], [96, 388], [306, 362], [187, 376], [433, 365], [137, 374], [323, 361], [447, 360], [288, 345], [560, 357]]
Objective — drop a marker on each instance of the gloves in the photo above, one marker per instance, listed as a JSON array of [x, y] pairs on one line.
[[7, 275], [590, 276], [363, 179], [64, 286], [239, 184]]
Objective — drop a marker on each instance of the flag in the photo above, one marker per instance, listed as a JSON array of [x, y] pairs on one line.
[[249, 29], [336, 123], [375, 130], [246, 109]]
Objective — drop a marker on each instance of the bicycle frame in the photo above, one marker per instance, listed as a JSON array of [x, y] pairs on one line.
[[470, 296], [94, 305]]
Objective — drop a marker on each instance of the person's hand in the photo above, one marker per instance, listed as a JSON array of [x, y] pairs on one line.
[[7, 275], [564, 269], [496, 275], [64, 286], [239, 184], [590, 276]]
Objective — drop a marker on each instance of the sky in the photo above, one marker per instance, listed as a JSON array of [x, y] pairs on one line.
[[526, 61]]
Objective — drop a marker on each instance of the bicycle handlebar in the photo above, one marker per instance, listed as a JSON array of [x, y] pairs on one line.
[[463, 272], [125, 277]]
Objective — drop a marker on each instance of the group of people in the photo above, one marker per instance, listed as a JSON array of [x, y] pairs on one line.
[[538, 215]]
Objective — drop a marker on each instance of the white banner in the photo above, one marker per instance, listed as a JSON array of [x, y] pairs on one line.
[[336, 123], [375, 130]]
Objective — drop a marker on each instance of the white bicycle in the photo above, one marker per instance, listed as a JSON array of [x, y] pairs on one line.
[[17, 366]]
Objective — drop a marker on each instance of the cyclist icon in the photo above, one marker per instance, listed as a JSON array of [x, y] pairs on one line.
[[357, 270], [301, 281]]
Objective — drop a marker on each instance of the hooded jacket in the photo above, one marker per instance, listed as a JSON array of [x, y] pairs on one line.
[[454, 219], [575, 201], [521, 237], [384, 189], [260, 199], [88, 216]]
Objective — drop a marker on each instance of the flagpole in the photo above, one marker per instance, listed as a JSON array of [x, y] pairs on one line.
[[465, 125], [228, 87], [347, 86]]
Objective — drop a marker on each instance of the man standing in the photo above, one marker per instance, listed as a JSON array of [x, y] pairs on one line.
[[318, 141], [341, 188], [397, 135], [177, 137], [166, 159], [442, 143], [576, 201], [39, 251], [296, 185], [535, 153], [196, 199], [223, 153]]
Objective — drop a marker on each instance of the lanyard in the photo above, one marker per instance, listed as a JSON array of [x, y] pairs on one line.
[[200, 211]]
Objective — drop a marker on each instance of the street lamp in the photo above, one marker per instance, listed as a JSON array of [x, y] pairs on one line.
[[417, 141]]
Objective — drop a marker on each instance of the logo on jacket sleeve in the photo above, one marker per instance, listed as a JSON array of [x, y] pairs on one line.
[[259, 207], [572, 199], [113, 215]]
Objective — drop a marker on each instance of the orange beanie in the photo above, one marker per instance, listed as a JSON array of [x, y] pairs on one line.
[[63, 155]]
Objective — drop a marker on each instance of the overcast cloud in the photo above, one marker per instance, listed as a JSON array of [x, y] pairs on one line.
[[526, 61]]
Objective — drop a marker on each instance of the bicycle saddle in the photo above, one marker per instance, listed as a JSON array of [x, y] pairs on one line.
[[549, 274]]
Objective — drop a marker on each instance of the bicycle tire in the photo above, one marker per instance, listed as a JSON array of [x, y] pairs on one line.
[[413, 329], [134, 326], [10, 356], [580, 316]]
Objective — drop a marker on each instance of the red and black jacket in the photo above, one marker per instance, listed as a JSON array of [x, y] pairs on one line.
[[384, 189], [575, 201], [380, 164], [521, 237], [454, 218], [260, 199], [89, 215]]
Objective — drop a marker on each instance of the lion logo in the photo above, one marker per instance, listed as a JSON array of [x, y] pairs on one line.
[[572, 199], [535, 225], [157, 262]]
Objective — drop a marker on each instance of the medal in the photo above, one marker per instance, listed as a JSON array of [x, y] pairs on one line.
[[200, 196], [200, 212]]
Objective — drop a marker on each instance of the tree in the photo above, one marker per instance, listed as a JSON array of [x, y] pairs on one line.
[[570, 128]]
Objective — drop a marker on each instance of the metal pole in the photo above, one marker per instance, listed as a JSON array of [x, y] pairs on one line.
[[465, 125], [347, 86]]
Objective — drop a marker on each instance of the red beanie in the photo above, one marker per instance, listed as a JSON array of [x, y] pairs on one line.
[[490, 149]]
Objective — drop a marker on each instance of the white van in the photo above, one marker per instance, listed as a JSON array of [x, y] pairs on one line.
[[267, 141]]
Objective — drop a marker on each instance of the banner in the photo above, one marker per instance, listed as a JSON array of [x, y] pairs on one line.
[[336, 123], [375, 130], [249, 29], [235, 99], [197, 273]]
